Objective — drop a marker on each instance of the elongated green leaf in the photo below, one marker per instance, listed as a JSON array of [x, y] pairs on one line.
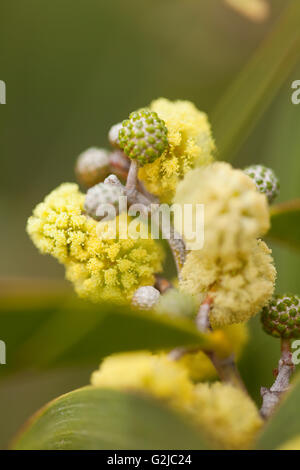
[[91, 418], [74, 332], [285, 223], [285, 424], [258, 83]]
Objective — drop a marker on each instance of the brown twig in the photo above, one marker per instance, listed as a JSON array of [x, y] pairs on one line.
[[271, 396], [162, 284], [226, 368]]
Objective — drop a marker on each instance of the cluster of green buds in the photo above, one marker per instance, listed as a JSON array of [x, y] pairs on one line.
[[265, 180], [281, 318]]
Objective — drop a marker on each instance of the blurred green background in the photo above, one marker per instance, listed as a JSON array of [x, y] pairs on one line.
[[74, 68]]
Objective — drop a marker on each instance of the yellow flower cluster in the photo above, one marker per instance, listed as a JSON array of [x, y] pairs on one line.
[[100, 267], [154, 374], [291, 444], [190, 145], [239, 290], [234, 267], [199, 366], [225, 415], [234, 211], [228, 416]]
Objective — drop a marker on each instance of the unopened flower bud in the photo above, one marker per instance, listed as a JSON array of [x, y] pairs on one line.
[[177, 304], [92, 166], [145, 297], [265, 180], [100, 194], [113, 134], [143, 136], [281, 318]]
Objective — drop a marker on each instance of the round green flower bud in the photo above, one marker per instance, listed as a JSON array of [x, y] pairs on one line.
[[100, 194], [265, 180], [143, 136], [281, 318]]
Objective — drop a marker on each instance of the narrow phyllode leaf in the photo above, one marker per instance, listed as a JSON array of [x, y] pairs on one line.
[[92, 418], [251, 93], [50, 332], [285, 223]]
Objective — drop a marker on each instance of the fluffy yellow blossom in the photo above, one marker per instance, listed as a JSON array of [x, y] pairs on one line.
[[226, 415], [149, 373], [190, 145], [199, 365], [291, 444], [58, 226], [100, 267], [255, 10], [234, 211], [239, 289]]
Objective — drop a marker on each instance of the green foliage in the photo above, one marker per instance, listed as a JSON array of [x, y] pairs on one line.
[[91, 418], [285, 223], [251, 93], [44, 332]]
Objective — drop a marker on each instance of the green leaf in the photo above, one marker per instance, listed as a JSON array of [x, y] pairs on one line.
[[285, 223], [285, 423], [69, 331], [91, 418], [258, 83]]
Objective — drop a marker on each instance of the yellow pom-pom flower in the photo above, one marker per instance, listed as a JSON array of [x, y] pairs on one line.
[[226, 415], [190, 145], [239, 289], [149, 373], [58, 226], [102, 259], [234, 211], [199, 366]]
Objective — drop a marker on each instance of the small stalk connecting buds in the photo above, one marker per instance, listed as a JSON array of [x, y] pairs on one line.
[[99, 195], [143, 137], [92, 166], [265, 180], [281, 318], [145, 297]]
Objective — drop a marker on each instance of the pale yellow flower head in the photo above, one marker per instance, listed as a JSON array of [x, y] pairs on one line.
[[239, 290], [234, 211], [226, 415], [101, 268], [200, 367], [190, 145], [149, 373], [291, 444], [254, 10]]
